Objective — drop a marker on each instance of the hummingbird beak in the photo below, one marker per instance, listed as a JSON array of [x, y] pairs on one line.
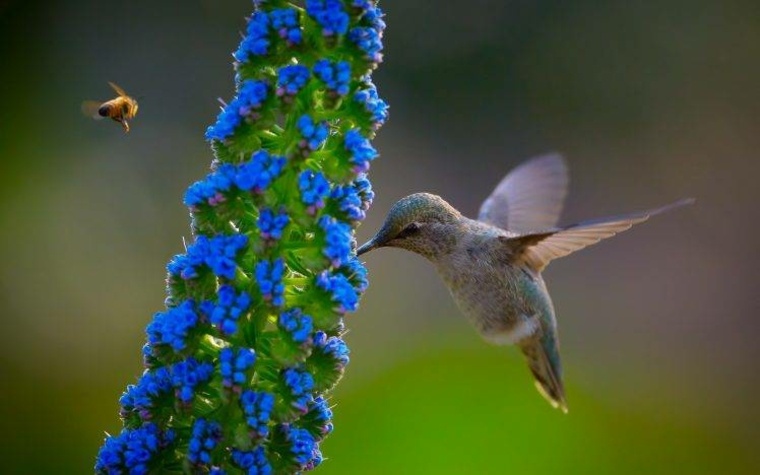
[[366, 247], [381, 239]]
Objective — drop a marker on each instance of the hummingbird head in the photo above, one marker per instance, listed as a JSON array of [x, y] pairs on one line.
[[421, 223]]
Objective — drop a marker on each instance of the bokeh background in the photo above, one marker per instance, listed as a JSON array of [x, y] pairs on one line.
[[650, 101]]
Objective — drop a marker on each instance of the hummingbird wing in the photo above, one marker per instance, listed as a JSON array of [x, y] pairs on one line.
[[530, 197], [539, 249]]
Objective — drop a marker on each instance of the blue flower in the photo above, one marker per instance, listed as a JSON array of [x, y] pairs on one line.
[[314, 189], [356, 273], [183, 377], [291, 79], [297, 324], [320, 416], [313, 134], [233, 367], [269, 276], [300, 384], [139, 398], [256, 42], [349, 201], [187, 375], [361, 150], [148, 356], [258, 173], [302, 444], [341, 291], [372, 15], [172, 326], [316, 459], [230, 306], [185, 266], [376, 107], [211, 190], [364, 189], [369, 40], [206, 436], [257, 407], [132, 450], [334, 347], [285, 23], [254, 462], [218, 254], [251, 96], [330, 15], [226, 123], [223, 251], [272, 225], [338, 240], [336, 76]]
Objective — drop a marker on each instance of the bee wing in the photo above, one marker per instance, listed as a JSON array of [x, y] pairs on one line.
[[530, 197], [116, 88], [90, 109]]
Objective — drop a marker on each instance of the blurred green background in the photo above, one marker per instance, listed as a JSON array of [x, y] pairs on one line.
[[650, 101]]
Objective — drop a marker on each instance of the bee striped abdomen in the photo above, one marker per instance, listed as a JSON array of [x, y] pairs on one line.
[[104, 110]]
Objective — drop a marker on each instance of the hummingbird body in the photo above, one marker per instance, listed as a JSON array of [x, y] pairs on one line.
[[492, 266]]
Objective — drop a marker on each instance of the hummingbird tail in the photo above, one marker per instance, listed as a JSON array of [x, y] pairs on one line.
[[546, 369]]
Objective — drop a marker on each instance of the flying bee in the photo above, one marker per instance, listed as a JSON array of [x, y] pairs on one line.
[[119, 109]]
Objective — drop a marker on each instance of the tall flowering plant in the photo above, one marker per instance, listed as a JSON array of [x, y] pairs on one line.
[[239, 364]]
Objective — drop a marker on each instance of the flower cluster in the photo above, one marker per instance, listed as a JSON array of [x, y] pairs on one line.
[[314, 189], [132, 450], [252, 462], [206, 436], [360, 149], [269, 276], [179, 380], [233, 366], [296, 324], [272, 225], [250, 98], [217, 253], [291, 79], [254, 175], [342, 293], [354, 199], [257, 408], [373, 104], [313, 135], [239, 365], [229, 307], [336, 76]]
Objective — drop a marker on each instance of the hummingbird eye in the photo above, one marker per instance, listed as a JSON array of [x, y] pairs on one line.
[[410, 230]]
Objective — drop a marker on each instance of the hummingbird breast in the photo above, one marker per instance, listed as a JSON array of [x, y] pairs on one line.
[[504, 301]]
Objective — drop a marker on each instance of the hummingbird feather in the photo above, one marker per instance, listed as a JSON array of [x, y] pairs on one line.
[[538, 250], [542, 354], [530, 197]]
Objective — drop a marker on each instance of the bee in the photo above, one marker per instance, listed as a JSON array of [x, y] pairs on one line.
[[119, 109]]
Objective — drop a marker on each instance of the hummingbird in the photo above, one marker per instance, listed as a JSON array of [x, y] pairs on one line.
[[492, 265]]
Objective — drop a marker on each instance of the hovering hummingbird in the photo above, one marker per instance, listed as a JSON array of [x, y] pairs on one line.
[[492, 265]]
